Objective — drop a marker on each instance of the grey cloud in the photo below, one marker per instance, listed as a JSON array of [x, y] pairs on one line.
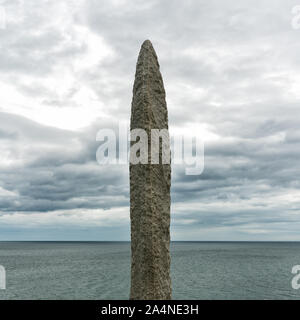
[[62, 173], [230, 65]]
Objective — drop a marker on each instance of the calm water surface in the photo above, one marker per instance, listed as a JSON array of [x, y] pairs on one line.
[[101, 270]]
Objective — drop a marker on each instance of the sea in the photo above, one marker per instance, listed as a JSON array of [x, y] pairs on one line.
[[101, 270]]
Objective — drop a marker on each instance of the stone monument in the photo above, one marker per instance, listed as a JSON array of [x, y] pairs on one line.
[[150, 187]]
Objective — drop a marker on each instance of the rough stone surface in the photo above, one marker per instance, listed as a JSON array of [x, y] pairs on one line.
[[149, 188]]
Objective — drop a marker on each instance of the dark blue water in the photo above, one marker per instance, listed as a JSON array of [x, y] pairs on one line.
[[101, 270]]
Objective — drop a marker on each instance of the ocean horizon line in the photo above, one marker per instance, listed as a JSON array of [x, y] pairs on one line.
[[173, 241]]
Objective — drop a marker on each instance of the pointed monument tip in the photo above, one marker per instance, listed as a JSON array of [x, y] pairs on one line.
[[147, 45], [147, 48]]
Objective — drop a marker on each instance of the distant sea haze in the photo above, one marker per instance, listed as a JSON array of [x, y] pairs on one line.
[[101, 270]]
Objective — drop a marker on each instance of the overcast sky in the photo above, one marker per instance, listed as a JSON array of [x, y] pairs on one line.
[[232, 75]]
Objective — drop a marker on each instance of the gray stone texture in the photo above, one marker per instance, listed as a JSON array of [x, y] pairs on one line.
[[149, 188]]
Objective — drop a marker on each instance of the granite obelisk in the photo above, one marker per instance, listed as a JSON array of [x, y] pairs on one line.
[[149, 187]]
